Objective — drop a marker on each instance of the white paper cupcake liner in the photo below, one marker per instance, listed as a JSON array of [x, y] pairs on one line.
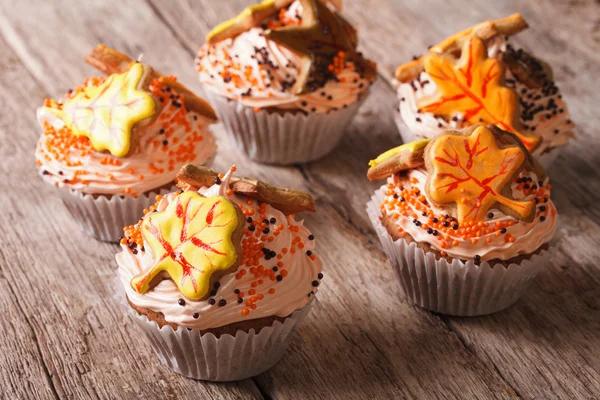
[[458, 288], [226, 358], [104, 218], [407, 136], [287, 138]]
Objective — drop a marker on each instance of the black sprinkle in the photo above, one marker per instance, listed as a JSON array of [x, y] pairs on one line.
[[503, 230], [181, 302], [309, 253], [315, 283], [196, 315], [240, 300], [211, 302], [279, 278], [491, 215], [320, 276], [222, 303], [311, 237]]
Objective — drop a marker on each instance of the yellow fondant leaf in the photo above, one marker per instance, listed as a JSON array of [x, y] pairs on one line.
[[107, 113], [191, 240]]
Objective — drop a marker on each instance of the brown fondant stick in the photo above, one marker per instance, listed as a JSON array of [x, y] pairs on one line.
[[285, 200], [505, 26]]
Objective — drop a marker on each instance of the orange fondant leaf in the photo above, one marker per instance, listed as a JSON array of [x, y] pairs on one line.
[[191, 240], [472, 172], [474, 87], [107, 113]]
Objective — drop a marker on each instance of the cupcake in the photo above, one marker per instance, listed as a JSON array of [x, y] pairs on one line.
[[285, 78], [475, 77], [220, 274], [115, 142], [465, 218]]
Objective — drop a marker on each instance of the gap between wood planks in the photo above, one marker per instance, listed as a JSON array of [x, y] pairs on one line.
[[387, 77]]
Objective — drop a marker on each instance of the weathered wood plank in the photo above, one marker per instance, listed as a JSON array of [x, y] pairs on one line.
[[545, 346], [22, 369]]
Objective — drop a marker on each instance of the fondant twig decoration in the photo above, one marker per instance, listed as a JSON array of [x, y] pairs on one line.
[[506, 26], [285, 200]]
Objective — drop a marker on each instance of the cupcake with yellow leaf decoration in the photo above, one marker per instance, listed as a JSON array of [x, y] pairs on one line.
[[465, 218], [286, 79], [115, 142], [220, 274], [477, 77]]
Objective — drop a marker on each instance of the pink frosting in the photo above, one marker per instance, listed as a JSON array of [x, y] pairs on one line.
[[528, 236], [302, 275], [162, 147]]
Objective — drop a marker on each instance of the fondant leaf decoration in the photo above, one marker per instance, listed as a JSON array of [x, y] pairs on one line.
[[191, 240], [250, 17], [321, 35], [474, 87], [108, 113], [472, 172]]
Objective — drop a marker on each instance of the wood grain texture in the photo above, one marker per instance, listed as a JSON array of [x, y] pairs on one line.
[[362, 339]]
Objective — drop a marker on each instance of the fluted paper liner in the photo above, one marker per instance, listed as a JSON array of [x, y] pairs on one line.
[[211, 358], [459, 288], [407, 135], [104, 218], [281, 138]]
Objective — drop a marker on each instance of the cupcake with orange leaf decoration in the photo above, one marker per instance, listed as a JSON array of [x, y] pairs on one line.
[[286, 79], [220, 274], [477, 77], [465, 218], [115, 142]]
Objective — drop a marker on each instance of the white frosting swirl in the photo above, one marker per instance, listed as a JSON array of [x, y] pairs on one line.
[[291, 293], [259, 73], [175, 137], [528, 236], [551, 121]]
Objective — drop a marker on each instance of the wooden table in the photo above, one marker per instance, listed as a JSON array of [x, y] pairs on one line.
[[63, 335]]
